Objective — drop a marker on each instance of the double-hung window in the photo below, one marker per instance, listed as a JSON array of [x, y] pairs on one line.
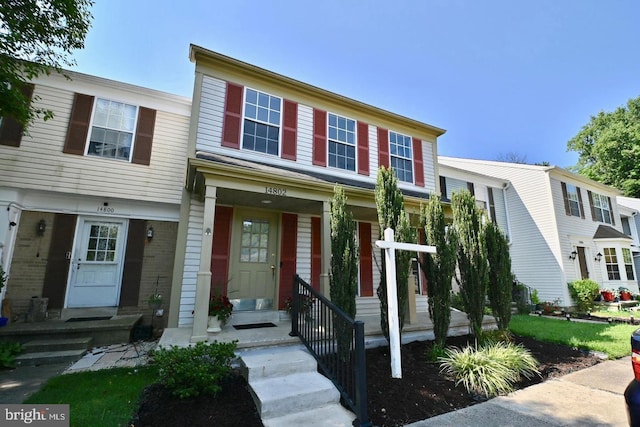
[[262, 116], [573, 200], [611, 260], [342, 142], [628, 263], [112, 130], [400, 156], [601, 208]]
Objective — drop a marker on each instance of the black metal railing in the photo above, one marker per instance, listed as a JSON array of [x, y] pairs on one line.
[[337, 343]]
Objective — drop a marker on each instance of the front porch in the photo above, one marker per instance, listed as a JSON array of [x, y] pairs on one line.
[[278, 336]]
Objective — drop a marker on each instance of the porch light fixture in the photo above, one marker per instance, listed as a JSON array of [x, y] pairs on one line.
[[42, 226], [149, 233], [598, 257], [573, 255]]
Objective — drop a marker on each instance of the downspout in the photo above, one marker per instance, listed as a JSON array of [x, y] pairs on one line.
[[506, 209]]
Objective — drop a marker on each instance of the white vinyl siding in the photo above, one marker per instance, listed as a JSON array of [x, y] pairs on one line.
[[430, 177], [211, 114], [191, 263], [40, 162], [305, 135]]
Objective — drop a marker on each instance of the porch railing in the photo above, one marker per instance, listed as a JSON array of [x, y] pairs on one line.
[[337, 343]]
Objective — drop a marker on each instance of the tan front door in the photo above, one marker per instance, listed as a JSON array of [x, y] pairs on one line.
[[254, 261]]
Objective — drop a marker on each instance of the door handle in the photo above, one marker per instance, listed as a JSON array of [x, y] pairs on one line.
[[273, 270]]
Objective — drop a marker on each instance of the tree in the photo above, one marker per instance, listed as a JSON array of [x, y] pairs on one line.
[[609, 148], [36, 36], [512, 157], [439, 267], [500, 284], [391, 214], [471, 257], [343, 278]]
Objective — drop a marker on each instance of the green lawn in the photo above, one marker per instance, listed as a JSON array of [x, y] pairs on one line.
[[613, 340], [105, 398]]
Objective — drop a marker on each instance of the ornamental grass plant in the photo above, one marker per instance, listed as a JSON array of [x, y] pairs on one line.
[[491, 369]]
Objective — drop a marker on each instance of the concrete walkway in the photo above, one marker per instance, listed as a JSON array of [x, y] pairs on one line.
[[589, 397]]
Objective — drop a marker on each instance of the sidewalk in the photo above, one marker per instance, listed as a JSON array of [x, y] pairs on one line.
[[589, 397]]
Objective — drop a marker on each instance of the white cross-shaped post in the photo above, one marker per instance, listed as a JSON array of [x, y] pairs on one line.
[[390, 246]]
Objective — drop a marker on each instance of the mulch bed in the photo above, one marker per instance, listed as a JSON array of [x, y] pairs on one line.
[[421, 393]]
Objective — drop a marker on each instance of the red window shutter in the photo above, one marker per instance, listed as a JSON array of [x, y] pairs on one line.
[[232, 116], [363, 148], [11, 130], [316, 252], [319, 137], [383, 147], [220, 250], [289, 130], [418, 164], [78, 124], [144, 136], [366, 260], [288, 252]]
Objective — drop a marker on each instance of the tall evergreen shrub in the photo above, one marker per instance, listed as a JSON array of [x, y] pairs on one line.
[[343, 277], [500, 284], [471, 257], [439, 267], [391, 214]]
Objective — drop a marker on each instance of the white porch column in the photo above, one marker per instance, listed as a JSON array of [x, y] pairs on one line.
[[326, 249], [203, 284]]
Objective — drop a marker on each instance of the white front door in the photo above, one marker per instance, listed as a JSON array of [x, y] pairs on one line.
[[96, 270]]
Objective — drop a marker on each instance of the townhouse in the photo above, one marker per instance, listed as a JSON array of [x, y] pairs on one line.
[[561, 227], [265, 152], [90, 199]]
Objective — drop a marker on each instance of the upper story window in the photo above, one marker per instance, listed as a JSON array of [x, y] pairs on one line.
[[611, 260], [262, 113], [342, 142], [573, 200], [626, 227], [601, 208], [628, 263], [112, 129], [400, 156]]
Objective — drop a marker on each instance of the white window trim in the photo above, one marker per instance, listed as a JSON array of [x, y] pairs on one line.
[[93, 113], [572, 190], [244, 117], [355, 143]]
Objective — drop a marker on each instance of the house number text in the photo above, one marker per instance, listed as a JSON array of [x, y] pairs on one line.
[[275, 191], [106, 210]]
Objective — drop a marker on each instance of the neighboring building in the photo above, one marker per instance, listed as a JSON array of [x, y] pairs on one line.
[[91, 198], [562, 227], [265, 152], [629, 209]]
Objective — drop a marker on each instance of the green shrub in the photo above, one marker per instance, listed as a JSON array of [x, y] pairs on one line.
[[583, 292], [8, 353], [191, 371], [491, 369]]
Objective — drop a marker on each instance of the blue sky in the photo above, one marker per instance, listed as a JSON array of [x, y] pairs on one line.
[[501, 76]]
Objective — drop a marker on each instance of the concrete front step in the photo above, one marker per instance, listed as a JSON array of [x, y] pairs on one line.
[[287, 394], [257, 366], [61, 344], [328, 416], [49, 357]]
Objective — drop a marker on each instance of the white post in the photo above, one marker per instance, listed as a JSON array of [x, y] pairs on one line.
[[390, 245], [392, 298]]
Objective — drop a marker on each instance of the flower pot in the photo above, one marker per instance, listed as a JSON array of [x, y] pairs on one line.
[[214, 324], [607, 296], [625, 296]]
